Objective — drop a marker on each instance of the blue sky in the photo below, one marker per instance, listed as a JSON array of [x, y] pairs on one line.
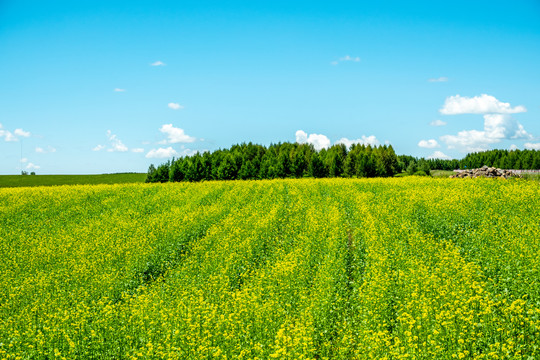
[[113, 86]]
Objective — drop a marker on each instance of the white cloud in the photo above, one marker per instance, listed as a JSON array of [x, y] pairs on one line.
[[24, 160], [175, 135], [119, 90], [7, 135], [174, 106], [483, 104], [116, 144], [49, 149], [137, 150], [31, 166], [162, 153], [439, 155], [349, 58], [532, 146], [22, 133], [513, 147], [437, 123], [439, 79], [99, 148], [158, 63], [364, 140], [497, 127], [318, 141], [428, 144], [346, 58], [12, 136]]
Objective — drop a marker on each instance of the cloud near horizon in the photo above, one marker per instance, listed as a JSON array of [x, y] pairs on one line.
[[532, 146], [439, 155], [364, 140], [31, 166], [161, 153], [318, 141], [498, 124], [497, 127]]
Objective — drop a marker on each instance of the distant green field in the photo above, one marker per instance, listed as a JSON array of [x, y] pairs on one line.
[[51, 180], [442, 173]]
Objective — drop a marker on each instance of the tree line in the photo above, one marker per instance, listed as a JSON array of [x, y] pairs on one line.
[[504, 159], [283, 160], [293, 160]]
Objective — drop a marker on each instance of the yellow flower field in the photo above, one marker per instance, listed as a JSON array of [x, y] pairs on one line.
[[408, 268]]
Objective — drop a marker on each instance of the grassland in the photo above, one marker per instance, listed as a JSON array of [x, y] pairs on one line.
[[404, 268], [51, 180]]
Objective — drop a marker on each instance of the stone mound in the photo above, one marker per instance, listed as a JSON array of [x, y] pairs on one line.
[[485, 171]]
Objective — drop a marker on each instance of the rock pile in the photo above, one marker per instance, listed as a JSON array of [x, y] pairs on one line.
[[484, 171]]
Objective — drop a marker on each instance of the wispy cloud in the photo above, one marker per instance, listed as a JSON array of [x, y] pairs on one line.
[[119, 90], [49, 149], [31, 166], [483, 104], [137, 150], [158, 63], [346, 58], [116, 145], [174, 106], [439, 79], [437, 123]]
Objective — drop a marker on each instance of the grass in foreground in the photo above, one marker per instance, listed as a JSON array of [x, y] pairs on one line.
[[410, 268], [50, 180]]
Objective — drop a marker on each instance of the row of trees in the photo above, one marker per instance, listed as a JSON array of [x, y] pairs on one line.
[[283, 160], [293, 160], [504, 159]]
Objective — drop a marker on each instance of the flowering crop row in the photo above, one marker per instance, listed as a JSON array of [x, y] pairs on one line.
[[290, 269]]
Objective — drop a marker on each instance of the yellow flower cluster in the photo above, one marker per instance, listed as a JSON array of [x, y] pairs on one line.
[[408, 268]]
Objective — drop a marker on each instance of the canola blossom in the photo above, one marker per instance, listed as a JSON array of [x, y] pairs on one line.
[[409, 268]]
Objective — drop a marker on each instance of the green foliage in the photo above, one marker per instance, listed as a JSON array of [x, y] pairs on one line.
[[283, 160], [414, 268]]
